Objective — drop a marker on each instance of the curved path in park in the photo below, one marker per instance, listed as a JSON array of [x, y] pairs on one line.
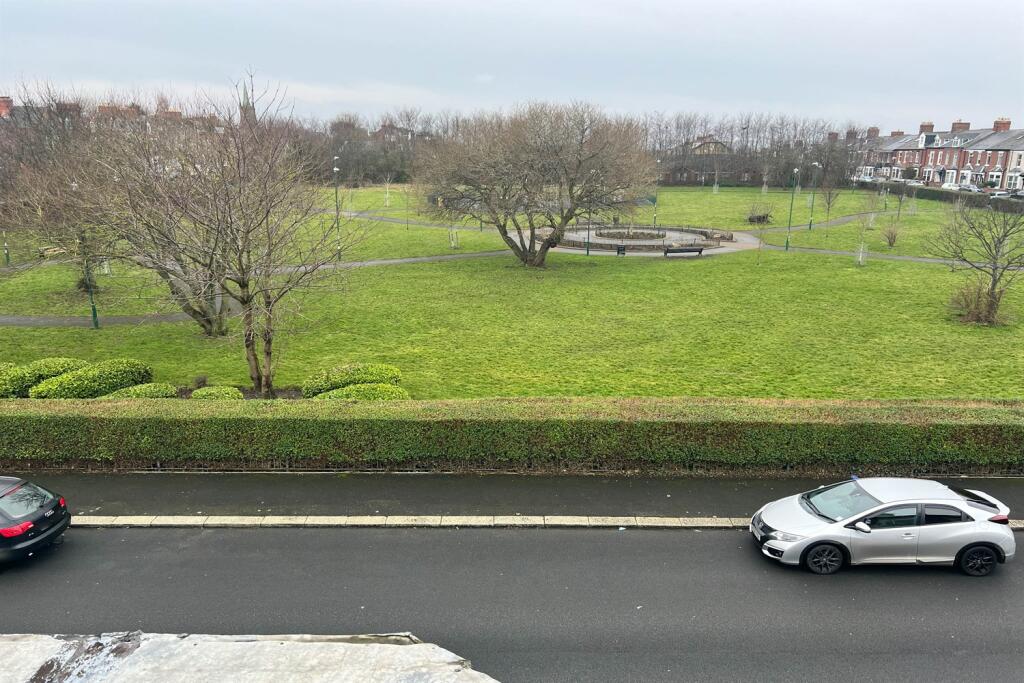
[[745, 240]]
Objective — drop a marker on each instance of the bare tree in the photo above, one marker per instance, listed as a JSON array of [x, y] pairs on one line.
[[991, 243], [531, 172], [891, 233], [387, 177]]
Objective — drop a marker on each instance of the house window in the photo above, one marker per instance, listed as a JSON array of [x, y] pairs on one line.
[[988, 158]]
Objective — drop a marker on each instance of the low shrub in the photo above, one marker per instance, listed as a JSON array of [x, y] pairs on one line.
[[218, 393], [353, 373], [151, 390], [819, 438], [367, 392], [16, 382], [94, 380]]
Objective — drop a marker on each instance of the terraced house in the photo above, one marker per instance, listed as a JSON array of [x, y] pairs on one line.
[[984, 156]]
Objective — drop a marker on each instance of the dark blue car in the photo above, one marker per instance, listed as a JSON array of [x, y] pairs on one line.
[[30, 518]]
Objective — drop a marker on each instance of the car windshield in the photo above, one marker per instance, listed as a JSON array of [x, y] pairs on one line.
[[24, 501], [840, 501]]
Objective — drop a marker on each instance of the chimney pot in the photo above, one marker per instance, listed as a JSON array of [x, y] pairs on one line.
[[1001, 125], [897, 134], [851, 135], [833, 137], [6, 104], [959, 126], [872, 132], [927, 127]]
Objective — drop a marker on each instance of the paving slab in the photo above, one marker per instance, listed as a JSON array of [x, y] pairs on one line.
[[342, 520], [566, 520], [467, 520], [518, 520], [135, 520], [179, 520], [284, 520], [93, 520], [233, 521], [612, 521], [412, 520], [659, 522]]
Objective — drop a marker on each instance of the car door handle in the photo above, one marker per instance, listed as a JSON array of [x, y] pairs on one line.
[[909, 535]]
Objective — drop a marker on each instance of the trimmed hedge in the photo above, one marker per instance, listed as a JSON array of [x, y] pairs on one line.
[[218, 394], [151, 390], [16, 382], [94, 380], [353, 373], [367, 392], [808, 437]]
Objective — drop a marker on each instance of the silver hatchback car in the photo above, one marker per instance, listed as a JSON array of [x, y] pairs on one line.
[[886, 521]]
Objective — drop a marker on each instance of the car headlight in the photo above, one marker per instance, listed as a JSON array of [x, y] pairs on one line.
[[784, 537]]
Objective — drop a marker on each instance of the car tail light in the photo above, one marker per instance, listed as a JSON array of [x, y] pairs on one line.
[[16, 530], [1000, 519], [61, 502]]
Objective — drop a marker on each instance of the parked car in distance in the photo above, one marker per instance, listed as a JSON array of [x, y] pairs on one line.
[[1019, 194], [970, 188], [915, 183], [950, 186], [31, 518], [999, 194], [885, 520]]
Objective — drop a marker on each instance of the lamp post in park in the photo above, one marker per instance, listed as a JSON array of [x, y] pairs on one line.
[[792, 198], [337, 201], [814, 174]]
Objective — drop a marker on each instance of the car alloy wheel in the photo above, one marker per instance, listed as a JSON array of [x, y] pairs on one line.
[[978, 561], [824, 559]]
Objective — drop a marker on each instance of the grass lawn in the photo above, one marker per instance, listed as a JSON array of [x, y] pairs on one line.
[[916, 231], [696, 206], [389, 240], [798, 325]]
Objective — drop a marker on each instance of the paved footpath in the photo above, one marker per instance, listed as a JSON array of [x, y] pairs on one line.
[[314, 499]]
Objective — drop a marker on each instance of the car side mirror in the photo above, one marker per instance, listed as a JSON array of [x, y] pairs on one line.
[[862, 527]]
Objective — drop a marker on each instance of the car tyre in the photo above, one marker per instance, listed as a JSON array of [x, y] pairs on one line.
[[978, 560], [826, 558]]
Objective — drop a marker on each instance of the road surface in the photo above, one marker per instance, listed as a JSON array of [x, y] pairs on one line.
[[535, 604]]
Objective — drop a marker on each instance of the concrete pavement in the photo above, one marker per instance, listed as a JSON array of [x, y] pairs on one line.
[[378, 494], [536, 605]]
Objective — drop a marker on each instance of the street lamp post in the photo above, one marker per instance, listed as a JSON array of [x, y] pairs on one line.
[[792, 197], [337, 201], [656, 194], [814, 173]]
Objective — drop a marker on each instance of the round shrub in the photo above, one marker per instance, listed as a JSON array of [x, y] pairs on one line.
[[17, 382], [218, 393], [151, 390], [366, 392], [95, 380], [353, 373]]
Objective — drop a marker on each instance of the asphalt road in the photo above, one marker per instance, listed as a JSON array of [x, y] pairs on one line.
[[439, 494], [536, 605]]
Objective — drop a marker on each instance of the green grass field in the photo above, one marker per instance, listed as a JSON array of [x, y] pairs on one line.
[[797, 325], [916, 232], [696, 206]]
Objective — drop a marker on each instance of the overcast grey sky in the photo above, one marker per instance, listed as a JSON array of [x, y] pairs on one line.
[[887, 62]]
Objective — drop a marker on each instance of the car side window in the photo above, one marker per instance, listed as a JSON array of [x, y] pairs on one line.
[[942, 514], [892, 518]]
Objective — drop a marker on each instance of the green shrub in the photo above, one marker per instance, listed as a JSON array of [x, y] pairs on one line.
[[826, 439], [151, 390], [218, 393], [367, 392], [354, 373], [94, 380], [16, 382]]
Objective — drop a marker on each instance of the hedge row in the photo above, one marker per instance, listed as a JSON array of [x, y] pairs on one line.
[[16, 382], [348, 375], [518, 434], [218, 394], [94, 381]]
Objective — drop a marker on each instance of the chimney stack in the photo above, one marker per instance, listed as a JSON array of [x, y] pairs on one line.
[[1001, 125], [6, 104], [959, 126], [872, 132], [927, 127], [833, 137], [897, 134], [851, 135]]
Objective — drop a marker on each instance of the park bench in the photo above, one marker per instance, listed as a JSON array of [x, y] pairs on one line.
[[684, 250]]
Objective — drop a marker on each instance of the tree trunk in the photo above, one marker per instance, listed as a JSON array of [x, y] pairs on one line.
[[249, 337], [267, 389]]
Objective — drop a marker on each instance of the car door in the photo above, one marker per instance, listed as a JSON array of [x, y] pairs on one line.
[[893, 536], [946, 529]]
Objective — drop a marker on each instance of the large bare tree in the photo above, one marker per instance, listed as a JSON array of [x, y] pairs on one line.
[[533, 171], [991, 243]]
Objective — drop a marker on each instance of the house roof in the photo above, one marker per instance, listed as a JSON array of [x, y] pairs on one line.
[[1010, 139]]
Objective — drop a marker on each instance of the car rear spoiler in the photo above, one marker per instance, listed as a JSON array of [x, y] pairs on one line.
[[982, 497]]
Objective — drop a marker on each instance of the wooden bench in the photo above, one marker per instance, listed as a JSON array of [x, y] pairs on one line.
[[684, 250]]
